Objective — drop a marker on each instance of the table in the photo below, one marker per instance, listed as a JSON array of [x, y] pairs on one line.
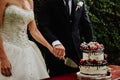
[[115, 70]]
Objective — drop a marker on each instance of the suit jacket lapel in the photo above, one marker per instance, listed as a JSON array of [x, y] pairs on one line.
[[77, 13]]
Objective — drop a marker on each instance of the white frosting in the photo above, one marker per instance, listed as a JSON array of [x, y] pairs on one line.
[[93, 69], [99, 56], [96, 56]]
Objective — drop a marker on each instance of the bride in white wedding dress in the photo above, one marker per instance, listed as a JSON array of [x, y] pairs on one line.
[[20, 58]]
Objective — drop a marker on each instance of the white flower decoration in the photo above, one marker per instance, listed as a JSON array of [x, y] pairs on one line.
[[79, 4]]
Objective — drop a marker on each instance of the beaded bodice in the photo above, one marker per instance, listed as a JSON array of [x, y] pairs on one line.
[[14, 28]]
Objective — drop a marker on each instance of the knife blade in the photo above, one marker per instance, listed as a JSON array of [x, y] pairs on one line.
[[69, 62]]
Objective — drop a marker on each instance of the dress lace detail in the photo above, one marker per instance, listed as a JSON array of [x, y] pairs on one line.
[[14, 27], [24, 55]]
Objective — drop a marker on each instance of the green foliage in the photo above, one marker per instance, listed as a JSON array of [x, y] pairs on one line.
[[105, 17]]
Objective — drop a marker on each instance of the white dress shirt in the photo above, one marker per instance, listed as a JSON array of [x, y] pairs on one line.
[[69, 4]]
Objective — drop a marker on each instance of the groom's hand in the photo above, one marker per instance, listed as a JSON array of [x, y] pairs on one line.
[[59, 51]]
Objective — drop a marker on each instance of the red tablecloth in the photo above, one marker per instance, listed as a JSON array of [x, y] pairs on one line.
[[115, 70]]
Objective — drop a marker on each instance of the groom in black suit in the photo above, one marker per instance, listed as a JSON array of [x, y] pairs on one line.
[[63, 23]]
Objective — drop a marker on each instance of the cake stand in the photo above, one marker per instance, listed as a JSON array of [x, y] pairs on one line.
[[93, 77]]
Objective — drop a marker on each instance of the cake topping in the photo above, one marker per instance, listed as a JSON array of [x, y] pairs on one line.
[[91, 46]]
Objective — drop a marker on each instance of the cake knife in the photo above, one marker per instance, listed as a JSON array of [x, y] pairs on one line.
[[69, 62]]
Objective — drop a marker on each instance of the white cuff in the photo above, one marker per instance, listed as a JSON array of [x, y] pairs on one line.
[[56, 42]]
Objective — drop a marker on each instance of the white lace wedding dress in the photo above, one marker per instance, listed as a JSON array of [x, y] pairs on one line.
[[25, 57]]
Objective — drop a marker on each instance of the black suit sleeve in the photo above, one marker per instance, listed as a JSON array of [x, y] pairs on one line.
[[44, 19], [86, 26]]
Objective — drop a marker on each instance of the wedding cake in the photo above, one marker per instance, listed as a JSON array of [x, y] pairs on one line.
[[93, 61]]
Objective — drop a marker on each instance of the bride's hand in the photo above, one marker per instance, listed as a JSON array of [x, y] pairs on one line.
[[5, 67]]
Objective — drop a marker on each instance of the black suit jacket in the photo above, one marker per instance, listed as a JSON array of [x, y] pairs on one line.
[[55, 24]]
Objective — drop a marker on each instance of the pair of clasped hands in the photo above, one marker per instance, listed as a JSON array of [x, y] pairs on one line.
[[59, 51]]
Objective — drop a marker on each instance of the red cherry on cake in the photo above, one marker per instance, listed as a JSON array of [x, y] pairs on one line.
[[82, 61], [92, 48], [81, 47], [104, 61], [89, 60], [94, 61]]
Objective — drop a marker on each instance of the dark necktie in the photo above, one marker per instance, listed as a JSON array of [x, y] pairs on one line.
[[67, 6]]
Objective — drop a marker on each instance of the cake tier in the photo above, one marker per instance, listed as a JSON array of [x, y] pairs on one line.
[[94, 70], [93, 55]]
